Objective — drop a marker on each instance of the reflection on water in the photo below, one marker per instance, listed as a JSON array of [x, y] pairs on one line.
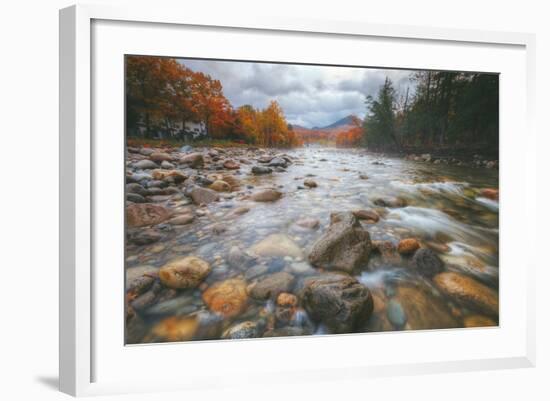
[[443, 209]]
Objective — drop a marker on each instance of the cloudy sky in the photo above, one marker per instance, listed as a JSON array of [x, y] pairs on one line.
[[309, 95]]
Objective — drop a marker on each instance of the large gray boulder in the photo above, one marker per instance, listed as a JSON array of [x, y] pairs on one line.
[[345, 246], [338, 301]]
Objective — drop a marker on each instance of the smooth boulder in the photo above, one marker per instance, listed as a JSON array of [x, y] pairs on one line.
[[182, 273], [469, 292], [338, 301], [145, 214], [201, 195], [344, 246], [268, 195], [228, 298]]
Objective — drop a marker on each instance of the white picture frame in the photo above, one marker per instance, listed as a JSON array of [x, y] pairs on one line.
[[82, 345]]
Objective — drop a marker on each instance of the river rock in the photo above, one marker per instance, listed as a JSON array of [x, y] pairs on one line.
[[194, 160], [338, 301], [423, 310], [278, 162], [231, 165], [240, 210], [479, 321], [272, 285], [220, 186], [246, 329], [175, 329], [176, 175], [167, 165], [260, 170], [344, 246], [408, 246], [201, 195], [268, 195], [310, 183], [309, 223], [145, 214], [145, 165], [233, 181], [390, 202], [238, 259], [186, 272], [396, 314], [426, 262], [136, 188], [469, 292], [146, 237], [277, 245], [388, 251], [130, 197], [228, 298], [160, 157], [182, 219], [370, 216], [490, 193]]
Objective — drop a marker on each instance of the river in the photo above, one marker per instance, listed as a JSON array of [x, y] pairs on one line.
[[440, 205]]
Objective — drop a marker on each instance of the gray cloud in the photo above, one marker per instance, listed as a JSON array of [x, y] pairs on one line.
[[309, 95]]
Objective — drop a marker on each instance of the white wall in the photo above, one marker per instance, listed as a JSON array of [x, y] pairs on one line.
[[29, 168]]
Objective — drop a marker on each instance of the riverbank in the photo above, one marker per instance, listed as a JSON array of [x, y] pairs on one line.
[[247, 242]]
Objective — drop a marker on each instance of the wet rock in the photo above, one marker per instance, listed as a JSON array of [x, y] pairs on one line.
[[145, 214], [396, 314], [179, 306], [175, 175], [139, 285], [136, 188], [145, 165], [182, 219], [408, 246], [338, 301], [310, 183], [246, 329], [256, 271], [278, 162], [228, 298], [146, 151], [286, 308], [490, 193], [135, 329], [186, 272], [160, 157], [390, 202], [146, 237], [426, 262], [469, 292], [220, 186], [240, 210], [309, 223], [260, 170], [388, 251], [479, 321], [231, 165], [167, 165], [203, 195], [265, 159], [363, 176], [370, 216], [268, 195], [175, 329], [344, 246], [233, 181], [423, 310], [193, 160], [288, 331], [134, 273], [272, 285], [135, 198], [286, 299], [277, 245], [238, 259]]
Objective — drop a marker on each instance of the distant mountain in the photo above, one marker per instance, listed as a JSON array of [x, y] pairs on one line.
[[346, 121], [328, 132]]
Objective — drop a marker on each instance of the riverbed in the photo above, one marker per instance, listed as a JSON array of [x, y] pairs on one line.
[[260, 249]]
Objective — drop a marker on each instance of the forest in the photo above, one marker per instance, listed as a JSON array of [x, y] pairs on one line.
[[448, 111], [444, 111], [165, 99]]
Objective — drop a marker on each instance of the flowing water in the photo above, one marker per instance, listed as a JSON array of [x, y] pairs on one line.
[[443, 210]]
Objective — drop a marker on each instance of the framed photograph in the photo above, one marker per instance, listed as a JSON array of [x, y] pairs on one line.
[[311, 199]]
